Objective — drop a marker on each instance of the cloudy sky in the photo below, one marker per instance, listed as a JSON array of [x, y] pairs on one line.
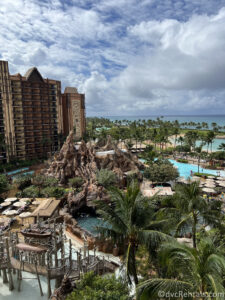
[[130, 57]]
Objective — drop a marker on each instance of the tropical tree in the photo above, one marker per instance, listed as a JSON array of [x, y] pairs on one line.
[[106, 177], [4, 184], [92, 287], [188, 210], [161, 171], [130, 221], [196, 273], [222, 146]]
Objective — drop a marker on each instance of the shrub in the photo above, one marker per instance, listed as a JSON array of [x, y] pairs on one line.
[[183, 148], [161, 171], [76, 182], [29, 192], [4, 184], [184, 161], [203, 174], [93, 287], [51, 191], [23, 181], [105, 177]]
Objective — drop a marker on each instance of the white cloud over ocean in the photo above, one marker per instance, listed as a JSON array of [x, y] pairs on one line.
[[128, 57]]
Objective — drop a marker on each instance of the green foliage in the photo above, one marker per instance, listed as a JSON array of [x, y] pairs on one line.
[[76, 182], [17, 164], [50, 191], [93, 287], [187, 270], [29, 192], [53, 191], [130, 222], [4, 184], [183, 148], [181, 160], [203, 174], [161, 171], [220, 155], [23, 181], [106, 177]]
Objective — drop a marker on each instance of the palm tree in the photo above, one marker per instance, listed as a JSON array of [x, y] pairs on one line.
[[189, 210], [130, 220], [187, 271], [222, 146]]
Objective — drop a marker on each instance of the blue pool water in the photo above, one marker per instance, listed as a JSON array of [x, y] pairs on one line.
[[26, 173], [185, 169], [17, 171], [89, 223]]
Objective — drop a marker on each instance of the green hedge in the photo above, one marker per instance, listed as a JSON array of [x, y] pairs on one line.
[[17, 164], [181, 160], [204, 174]]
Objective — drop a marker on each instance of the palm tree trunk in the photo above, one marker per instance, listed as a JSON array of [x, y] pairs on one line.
[[194, 232]]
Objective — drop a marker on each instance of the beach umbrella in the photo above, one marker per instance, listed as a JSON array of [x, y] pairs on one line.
[[211, 177], [220, 178], [6, 203], [209, 190], [24, 199], [10, 212], [11, 199], [209, 184], [19, 204], [25, 215], [36, 202], [195, 178]]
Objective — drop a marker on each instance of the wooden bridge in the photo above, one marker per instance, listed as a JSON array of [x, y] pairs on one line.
[[47, 258]]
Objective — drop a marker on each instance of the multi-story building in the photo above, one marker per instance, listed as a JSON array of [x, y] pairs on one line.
[[73, 107], [31, 116]]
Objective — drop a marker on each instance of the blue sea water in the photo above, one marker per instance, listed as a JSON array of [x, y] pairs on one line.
[[219, 119]]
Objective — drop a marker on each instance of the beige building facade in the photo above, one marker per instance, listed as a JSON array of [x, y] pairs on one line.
[[31, 114]]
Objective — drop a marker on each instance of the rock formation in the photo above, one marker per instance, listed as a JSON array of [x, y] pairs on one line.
[[84, 162]]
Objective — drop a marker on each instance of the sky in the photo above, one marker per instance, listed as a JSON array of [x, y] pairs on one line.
[[129, 57]]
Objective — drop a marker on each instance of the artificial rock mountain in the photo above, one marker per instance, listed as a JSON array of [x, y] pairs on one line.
[[84, 162]]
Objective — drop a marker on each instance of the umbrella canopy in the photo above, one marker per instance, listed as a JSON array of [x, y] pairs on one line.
[[19, 204], [25, 199], [195, 178], [209, 190], [220, 178], [221, 183], [210, 184], [211, 177], [4, 204], [25, 215], [36, 202], [10, 212], [10, 200]]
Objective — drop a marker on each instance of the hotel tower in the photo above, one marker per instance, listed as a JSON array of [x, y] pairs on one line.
[[35, 115]]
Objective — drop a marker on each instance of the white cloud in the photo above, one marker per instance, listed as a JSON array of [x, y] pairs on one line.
[[143, 58]]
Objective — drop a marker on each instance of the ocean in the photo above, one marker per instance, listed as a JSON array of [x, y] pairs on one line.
[[218, 119]]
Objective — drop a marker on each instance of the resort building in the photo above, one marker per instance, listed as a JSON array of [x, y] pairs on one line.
[[31, 116], [73, 106]]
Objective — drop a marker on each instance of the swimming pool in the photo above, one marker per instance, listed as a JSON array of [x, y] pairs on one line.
[[89, 223], [185, 169]]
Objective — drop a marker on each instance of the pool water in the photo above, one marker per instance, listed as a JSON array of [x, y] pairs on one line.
[[17, 171], [26, 173], [89, 223], [185, 169]]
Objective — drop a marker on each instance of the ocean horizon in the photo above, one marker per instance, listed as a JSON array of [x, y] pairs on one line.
[[219, 119]]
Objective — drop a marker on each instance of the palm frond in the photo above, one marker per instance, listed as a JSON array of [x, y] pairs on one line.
[[159, 287]]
